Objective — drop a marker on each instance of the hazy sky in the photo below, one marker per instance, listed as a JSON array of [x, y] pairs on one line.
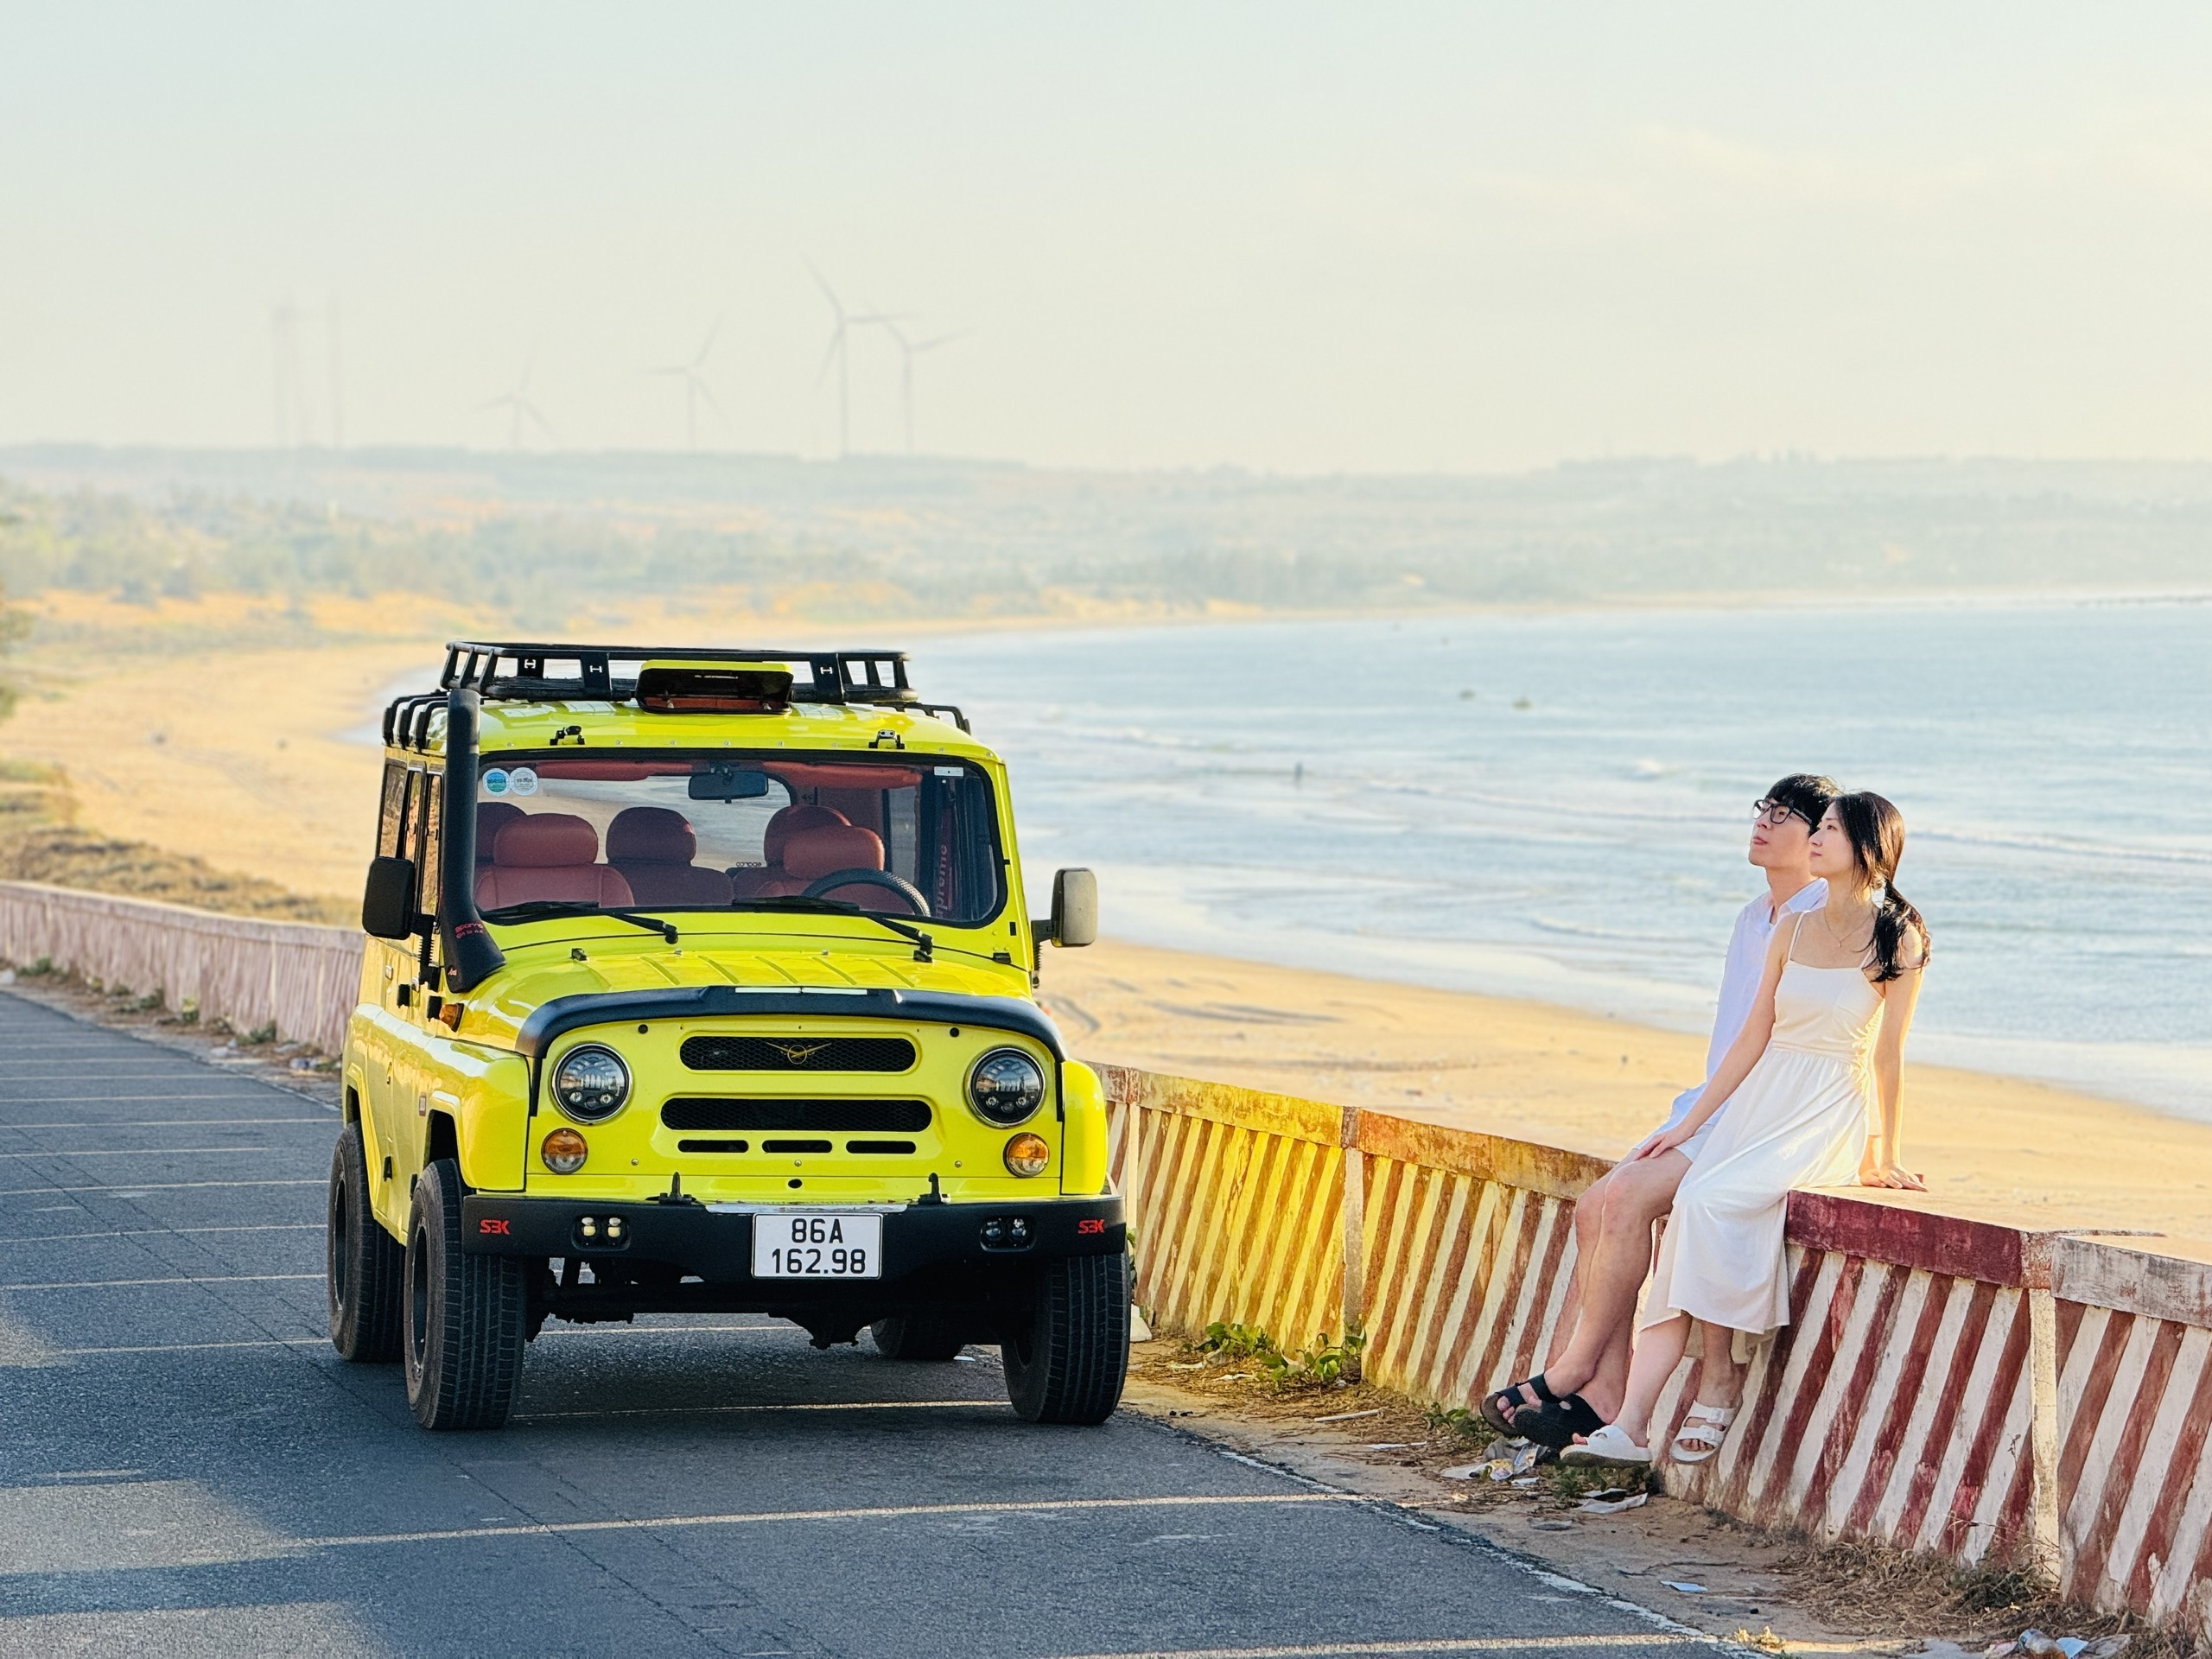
[[1369, 238]]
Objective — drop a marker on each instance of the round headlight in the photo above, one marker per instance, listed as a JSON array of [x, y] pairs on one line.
[[564, 1151], [591, 1083], [1028, 1154], [1006, 1087]]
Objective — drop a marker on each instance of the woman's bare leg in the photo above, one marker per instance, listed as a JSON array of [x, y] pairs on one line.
[[1658, 1351], [1720, 1380]]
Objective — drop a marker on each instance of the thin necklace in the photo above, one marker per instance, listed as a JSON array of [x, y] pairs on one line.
[[1842, 943]]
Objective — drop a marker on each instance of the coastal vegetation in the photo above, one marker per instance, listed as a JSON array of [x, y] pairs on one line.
[[530, 539]]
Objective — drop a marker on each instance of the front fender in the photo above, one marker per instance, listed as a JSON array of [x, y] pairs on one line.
[[491, 1117], [1082, 1109]]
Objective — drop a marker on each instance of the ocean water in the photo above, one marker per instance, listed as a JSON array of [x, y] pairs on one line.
[[1556, 805]]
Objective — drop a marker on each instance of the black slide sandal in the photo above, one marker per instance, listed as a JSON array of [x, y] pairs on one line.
[[1556, 1422], [1501, 1417]]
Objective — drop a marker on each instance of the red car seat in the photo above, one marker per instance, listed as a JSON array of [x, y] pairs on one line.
[[491, 817], [549, 856], [653, 847], [787, 823]]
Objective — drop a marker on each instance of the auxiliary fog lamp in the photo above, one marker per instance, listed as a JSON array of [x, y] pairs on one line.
[[1028, 1154], [564, 1151]]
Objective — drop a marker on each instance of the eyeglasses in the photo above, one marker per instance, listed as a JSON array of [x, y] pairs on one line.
[[1775, 813]]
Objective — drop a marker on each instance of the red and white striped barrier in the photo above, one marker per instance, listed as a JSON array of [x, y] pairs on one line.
[[1945, 1385]]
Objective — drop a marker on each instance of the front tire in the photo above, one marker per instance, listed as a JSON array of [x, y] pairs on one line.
[[466, 1316], [916, 1337], [366, 1266], [1068, 1364]]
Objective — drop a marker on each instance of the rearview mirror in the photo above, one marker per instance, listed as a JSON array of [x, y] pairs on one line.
[[728, 784], [1075, 908], [388, 902]]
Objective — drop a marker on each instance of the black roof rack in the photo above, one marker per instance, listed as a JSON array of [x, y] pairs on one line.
[[517, 670]]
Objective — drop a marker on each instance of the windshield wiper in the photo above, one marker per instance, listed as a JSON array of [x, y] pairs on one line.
[[534, 909], [924, 944]]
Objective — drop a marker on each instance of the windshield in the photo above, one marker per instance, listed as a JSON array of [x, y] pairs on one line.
[[900, 837]]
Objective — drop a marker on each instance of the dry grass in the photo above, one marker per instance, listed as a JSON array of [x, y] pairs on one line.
[[40, 842], [1856, 1582]]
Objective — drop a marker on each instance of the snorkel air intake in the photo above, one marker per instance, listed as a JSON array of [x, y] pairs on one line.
[[470, 955]]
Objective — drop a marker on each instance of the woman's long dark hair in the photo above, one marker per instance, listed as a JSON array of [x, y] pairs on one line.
[[1877, 833]]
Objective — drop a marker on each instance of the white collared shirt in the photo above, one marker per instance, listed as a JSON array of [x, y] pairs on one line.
[[1739, 980]]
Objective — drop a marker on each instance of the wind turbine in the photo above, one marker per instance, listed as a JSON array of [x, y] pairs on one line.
[[291, 400], [695, 385], [908, 351], [520, 410], [840, 338]]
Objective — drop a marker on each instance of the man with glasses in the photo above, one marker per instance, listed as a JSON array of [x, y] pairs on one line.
[[1613, 1220]]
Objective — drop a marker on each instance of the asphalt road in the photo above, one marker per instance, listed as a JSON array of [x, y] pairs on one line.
[[186, 1466]]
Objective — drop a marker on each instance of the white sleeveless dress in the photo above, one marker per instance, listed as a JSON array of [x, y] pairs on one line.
[[1800, 1119]]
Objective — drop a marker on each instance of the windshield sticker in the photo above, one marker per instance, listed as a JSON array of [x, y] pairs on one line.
[[523, 781], [495, 781], [950, 772]]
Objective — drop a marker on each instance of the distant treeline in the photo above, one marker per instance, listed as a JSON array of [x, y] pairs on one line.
[[519, 533]]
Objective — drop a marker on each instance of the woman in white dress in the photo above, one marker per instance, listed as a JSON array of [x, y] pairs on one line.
[[1811, 1089]]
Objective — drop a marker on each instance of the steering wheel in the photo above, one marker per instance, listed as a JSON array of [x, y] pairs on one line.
[[837, 879]]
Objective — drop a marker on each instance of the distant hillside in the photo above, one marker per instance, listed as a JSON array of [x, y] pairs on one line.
[[959, 538]]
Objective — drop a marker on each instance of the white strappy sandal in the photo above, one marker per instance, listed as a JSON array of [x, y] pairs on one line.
[[1702, 1432], [1609, 1444]]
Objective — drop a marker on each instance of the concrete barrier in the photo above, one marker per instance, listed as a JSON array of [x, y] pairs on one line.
[[299, 976], [1946, 1385]]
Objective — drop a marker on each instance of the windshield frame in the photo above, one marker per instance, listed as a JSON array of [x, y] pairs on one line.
[[977, 770]]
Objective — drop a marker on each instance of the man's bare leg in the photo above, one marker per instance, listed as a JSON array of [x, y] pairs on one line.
[[1595, 1361], [1589, 1228]]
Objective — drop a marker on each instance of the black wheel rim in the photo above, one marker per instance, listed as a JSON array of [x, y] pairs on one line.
[[339, 1243], [418, 1297]]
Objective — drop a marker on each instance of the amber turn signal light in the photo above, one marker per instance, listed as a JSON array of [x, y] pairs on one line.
[[1027, 1154], [564, 1151], [450, 1015]]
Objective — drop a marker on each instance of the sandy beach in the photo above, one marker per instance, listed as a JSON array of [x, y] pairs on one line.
[[2000, 1148], [253, 761]]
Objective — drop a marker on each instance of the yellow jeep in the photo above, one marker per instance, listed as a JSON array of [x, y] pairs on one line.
[[701, 982]]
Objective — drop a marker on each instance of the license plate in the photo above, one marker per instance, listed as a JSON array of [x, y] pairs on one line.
[[818, 1245]]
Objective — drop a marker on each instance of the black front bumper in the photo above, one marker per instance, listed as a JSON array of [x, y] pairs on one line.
[[936, 1245]]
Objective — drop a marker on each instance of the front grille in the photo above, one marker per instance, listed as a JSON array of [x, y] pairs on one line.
[[798, 1054], [798, 1116]]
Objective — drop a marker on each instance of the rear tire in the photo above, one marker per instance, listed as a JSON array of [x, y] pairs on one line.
[[1068, 1364], [466, 1315], [917, 1336], [366, 1266]]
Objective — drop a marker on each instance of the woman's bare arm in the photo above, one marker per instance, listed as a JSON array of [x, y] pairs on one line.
[[1881, 1164], [1743, 1054]]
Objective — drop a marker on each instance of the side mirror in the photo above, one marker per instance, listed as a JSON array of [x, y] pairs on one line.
[[388, 903], [1075, 908]]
